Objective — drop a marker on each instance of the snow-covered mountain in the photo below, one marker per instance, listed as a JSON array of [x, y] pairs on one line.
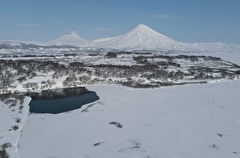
[[71, 39], [141, 37]]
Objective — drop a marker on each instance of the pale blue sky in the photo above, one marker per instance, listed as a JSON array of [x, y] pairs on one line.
[[181, 20]]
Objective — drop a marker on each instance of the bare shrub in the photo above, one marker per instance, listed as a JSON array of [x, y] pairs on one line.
[[15, 127], [117, 124], [18, 120]]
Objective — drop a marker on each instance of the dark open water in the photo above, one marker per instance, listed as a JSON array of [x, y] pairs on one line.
[[61, 100]]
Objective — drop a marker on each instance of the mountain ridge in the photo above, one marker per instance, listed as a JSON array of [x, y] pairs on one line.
[[140, 38]]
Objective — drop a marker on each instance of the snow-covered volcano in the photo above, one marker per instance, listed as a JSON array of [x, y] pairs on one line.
[[141, 37], [70, 39]]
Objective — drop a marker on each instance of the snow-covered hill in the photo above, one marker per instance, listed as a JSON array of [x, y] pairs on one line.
[[33, 48], [216, 47]]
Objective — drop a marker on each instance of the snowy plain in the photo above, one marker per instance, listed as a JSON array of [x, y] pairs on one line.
[[180, 121]]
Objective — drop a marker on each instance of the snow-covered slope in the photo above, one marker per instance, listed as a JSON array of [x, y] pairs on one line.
[[141, 37], [70, 39]]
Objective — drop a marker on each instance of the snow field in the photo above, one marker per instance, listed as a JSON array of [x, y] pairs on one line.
[[181, 121]]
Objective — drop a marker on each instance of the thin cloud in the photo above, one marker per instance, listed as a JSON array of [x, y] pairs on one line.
[[164, 17], [29, 25], [103, 29]]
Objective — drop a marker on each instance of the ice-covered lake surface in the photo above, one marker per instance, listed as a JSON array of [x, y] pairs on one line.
[[61, 100]]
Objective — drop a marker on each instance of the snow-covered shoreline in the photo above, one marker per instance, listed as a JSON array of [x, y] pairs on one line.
[[12, 121]]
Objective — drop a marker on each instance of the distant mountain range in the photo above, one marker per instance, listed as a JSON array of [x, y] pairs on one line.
[[141, 38]]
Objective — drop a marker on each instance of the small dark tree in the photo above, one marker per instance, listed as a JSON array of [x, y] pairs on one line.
[[111, 55]]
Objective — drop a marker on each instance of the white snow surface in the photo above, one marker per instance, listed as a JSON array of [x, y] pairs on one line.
[[181, 121]]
